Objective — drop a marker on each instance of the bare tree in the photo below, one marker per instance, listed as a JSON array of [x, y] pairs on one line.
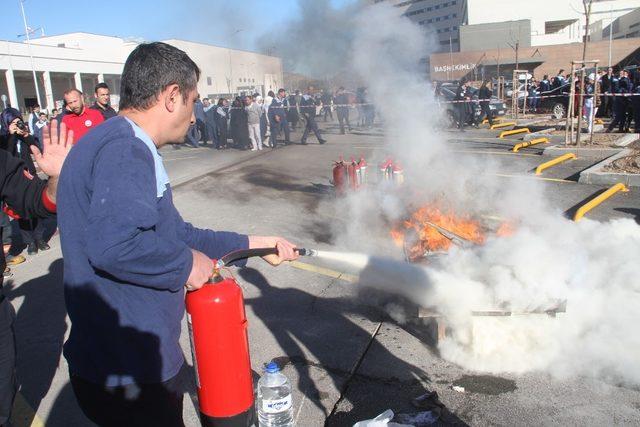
[[587, 12]]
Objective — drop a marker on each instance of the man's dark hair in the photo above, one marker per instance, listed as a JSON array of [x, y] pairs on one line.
[[271, 94], [150, 69], [281, 90], [102, 85]]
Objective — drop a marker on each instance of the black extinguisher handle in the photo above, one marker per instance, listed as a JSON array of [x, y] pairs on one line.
[[248, 253]]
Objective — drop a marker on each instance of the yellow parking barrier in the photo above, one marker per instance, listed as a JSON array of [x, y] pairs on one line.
[[497, 119], [513, 132], [597, 200], [598, 121], [503, 125], [559, 159], [530, 143]]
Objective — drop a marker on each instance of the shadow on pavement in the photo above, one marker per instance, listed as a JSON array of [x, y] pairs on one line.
[[301, 322], [630, 211], [40, 327]]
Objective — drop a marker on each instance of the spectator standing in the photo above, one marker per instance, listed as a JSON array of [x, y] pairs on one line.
[[238, 125], [589, 89], [34, 116], [37, 130], [210, 121], [342, 109], [222, 113], [254, 114], [533, 94], [484, 94], [78, 118], [278, 118], [198, 110], [327, 101], [103, 101], [264, 122], [460, 104], [293, 114]]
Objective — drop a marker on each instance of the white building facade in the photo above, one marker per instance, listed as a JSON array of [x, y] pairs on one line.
[[551, 22], [82, 60]]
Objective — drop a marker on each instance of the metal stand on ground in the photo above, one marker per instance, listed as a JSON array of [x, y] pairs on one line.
[[514, 93], [570, 129]]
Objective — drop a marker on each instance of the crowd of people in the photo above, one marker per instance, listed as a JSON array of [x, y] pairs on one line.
[[613, 94], [252, 122]]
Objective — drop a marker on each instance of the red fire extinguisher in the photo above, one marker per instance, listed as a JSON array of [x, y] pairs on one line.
[[220, 348], [353, 174], [339, 176], [363, 170]]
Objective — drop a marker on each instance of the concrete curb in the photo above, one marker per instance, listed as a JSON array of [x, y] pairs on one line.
[[595, 175], [627, 139], [590, 153], [539, 134]]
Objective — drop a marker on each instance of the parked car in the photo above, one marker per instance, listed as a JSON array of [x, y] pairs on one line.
[[446, 92], [556, 101]]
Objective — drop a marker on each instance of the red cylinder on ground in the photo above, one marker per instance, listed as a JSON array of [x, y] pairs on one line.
[[220, 349], [339, 176], [352, 172]]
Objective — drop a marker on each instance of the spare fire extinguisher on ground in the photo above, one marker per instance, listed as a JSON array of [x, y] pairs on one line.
[[340, 176]]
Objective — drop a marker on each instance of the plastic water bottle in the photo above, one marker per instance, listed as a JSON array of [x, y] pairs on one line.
[[274, 401]]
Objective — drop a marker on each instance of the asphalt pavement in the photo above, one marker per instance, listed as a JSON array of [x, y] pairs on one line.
[[346, 359]]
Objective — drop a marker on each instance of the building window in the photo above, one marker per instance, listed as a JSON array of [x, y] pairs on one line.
[[429, 9], [446, 30], [209, 81], [438, 19], [453, 3], [446, 17], [437, 6], [455, 15], [454, 28], [445, 4], [429, 21]]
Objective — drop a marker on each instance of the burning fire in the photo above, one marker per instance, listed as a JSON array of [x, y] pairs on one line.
[[420, 234]]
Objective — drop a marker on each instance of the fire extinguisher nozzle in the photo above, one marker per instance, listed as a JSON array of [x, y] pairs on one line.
[[307, 252]]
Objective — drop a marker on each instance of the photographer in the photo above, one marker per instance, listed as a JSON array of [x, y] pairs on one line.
[[17, 140]]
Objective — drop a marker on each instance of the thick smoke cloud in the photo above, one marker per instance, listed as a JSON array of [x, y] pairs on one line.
[[318, 42]]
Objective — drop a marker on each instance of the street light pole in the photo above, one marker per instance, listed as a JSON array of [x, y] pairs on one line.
[[33, 70]]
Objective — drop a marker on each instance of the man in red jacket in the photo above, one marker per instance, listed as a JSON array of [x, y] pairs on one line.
[[80, 118]]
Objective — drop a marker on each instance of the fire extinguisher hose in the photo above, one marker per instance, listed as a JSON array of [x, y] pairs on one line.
[[249, 253]]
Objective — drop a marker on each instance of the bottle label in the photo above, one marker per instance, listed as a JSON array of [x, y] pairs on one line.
[[277, 405]]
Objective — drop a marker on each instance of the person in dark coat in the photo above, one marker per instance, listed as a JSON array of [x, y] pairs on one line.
[[28, 197], [238, 125], [619, 86], [293, 115], [16, 139], [222, 126], [484, 94], [460, 105], [308, 110], [210, 121], [278, 118], [342, 109]]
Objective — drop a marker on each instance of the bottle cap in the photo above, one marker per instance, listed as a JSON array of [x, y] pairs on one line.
[[272, 368]]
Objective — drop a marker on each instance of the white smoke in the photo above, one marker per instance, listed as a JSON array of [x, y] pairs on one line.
[[591, 266]]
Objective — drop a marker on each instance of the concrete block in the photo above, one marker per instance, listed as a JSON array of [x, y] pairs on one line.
[[596, 175]]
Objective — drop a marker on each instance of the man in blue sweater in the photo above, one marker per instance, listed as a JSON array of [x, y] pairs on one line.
[[128, 255]]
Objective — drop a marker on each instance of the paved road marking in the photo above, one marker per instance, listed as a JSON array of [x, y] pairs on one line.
[[23, 415], [323, 271], [506, 175]]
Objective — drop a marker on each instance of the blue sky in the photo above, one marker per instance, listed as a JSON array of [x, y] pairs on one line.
[[208, 21]]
